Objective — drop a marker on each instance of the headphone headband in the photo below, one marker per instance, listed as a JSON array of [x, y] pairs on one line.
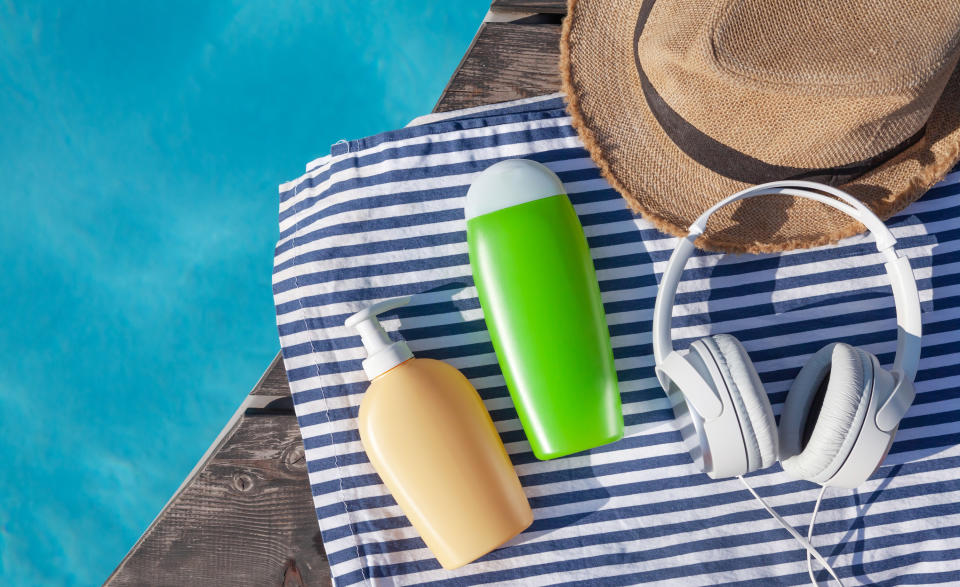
[[903, 283]]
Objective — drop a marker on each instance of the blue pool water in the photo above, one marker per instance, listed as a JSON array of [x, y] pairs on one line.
[[140, 149]]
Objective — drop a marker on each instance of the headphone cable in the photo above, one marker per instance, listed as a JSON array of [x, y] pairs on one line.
[[813, 519], [805, 542]]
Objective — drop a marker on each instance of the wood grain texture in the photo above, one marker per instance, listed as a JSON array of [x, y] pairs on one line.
[[542, 6], [247, 516], [246, 519], [274, 380], [507, 61]]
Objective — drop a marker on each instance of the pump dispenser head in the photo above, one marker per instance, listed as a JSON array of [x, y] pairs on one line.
[[382, 353]]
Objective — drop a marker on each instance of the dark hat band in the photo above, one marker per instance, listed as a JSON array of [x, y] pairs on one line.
[[730, 162]]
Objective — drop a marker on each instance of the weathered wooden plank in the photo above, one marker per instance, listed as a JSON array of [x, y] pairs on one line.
[[507, 61], [274, 380], [247, 518], [541, 6]]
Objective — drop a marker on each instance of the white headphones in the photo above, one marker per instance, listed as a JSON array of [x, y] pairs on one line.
[[841, 412]]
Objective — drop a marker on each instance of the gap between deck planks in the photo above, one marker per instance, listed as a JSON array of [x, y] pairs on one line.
[[245, 516]]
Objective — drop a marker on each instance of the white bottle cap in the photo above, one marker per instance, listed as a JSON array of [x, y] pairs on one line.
[[382, 353], [509, 183]]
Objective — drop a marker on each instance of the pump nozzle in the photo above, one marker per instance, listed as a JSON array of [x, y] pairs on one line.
[[382, 353]]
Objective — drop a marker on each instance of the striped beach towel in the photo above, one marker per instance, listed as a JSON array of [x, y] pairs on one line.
[[383, 216]]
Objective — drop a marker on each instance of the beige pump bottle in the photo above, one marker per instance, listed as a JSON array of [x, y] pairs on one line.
[[430, 438]]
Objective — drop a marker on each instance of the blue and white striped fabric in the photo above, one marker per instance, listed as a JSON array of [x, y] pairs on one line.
[[383, 217]]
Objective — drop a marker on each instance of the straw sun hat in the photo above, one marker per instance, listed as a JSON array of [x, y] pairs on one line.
[[683, 102]]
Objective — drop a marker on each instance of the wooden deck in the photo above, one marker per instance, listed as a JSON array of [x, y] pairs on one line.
[[245, 515]]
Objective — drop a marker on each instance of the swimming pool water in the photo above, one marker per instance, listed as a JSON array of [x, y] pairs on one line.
[[140, 151]]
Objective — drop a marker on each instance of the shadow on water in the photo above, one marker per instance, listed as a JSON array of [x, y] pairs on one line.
[[435, 326]]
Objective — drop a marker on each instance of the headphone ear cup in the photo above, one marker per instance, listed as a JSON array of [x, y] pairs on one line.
[[749, 399], [824, 412]]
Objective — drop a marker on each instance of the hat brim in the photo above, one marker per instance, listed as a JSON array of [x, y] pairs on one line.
[[658, 180]]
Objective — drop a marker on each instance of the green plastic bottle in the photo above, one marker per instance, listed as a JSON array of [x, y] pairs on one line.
[[541, 302]]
